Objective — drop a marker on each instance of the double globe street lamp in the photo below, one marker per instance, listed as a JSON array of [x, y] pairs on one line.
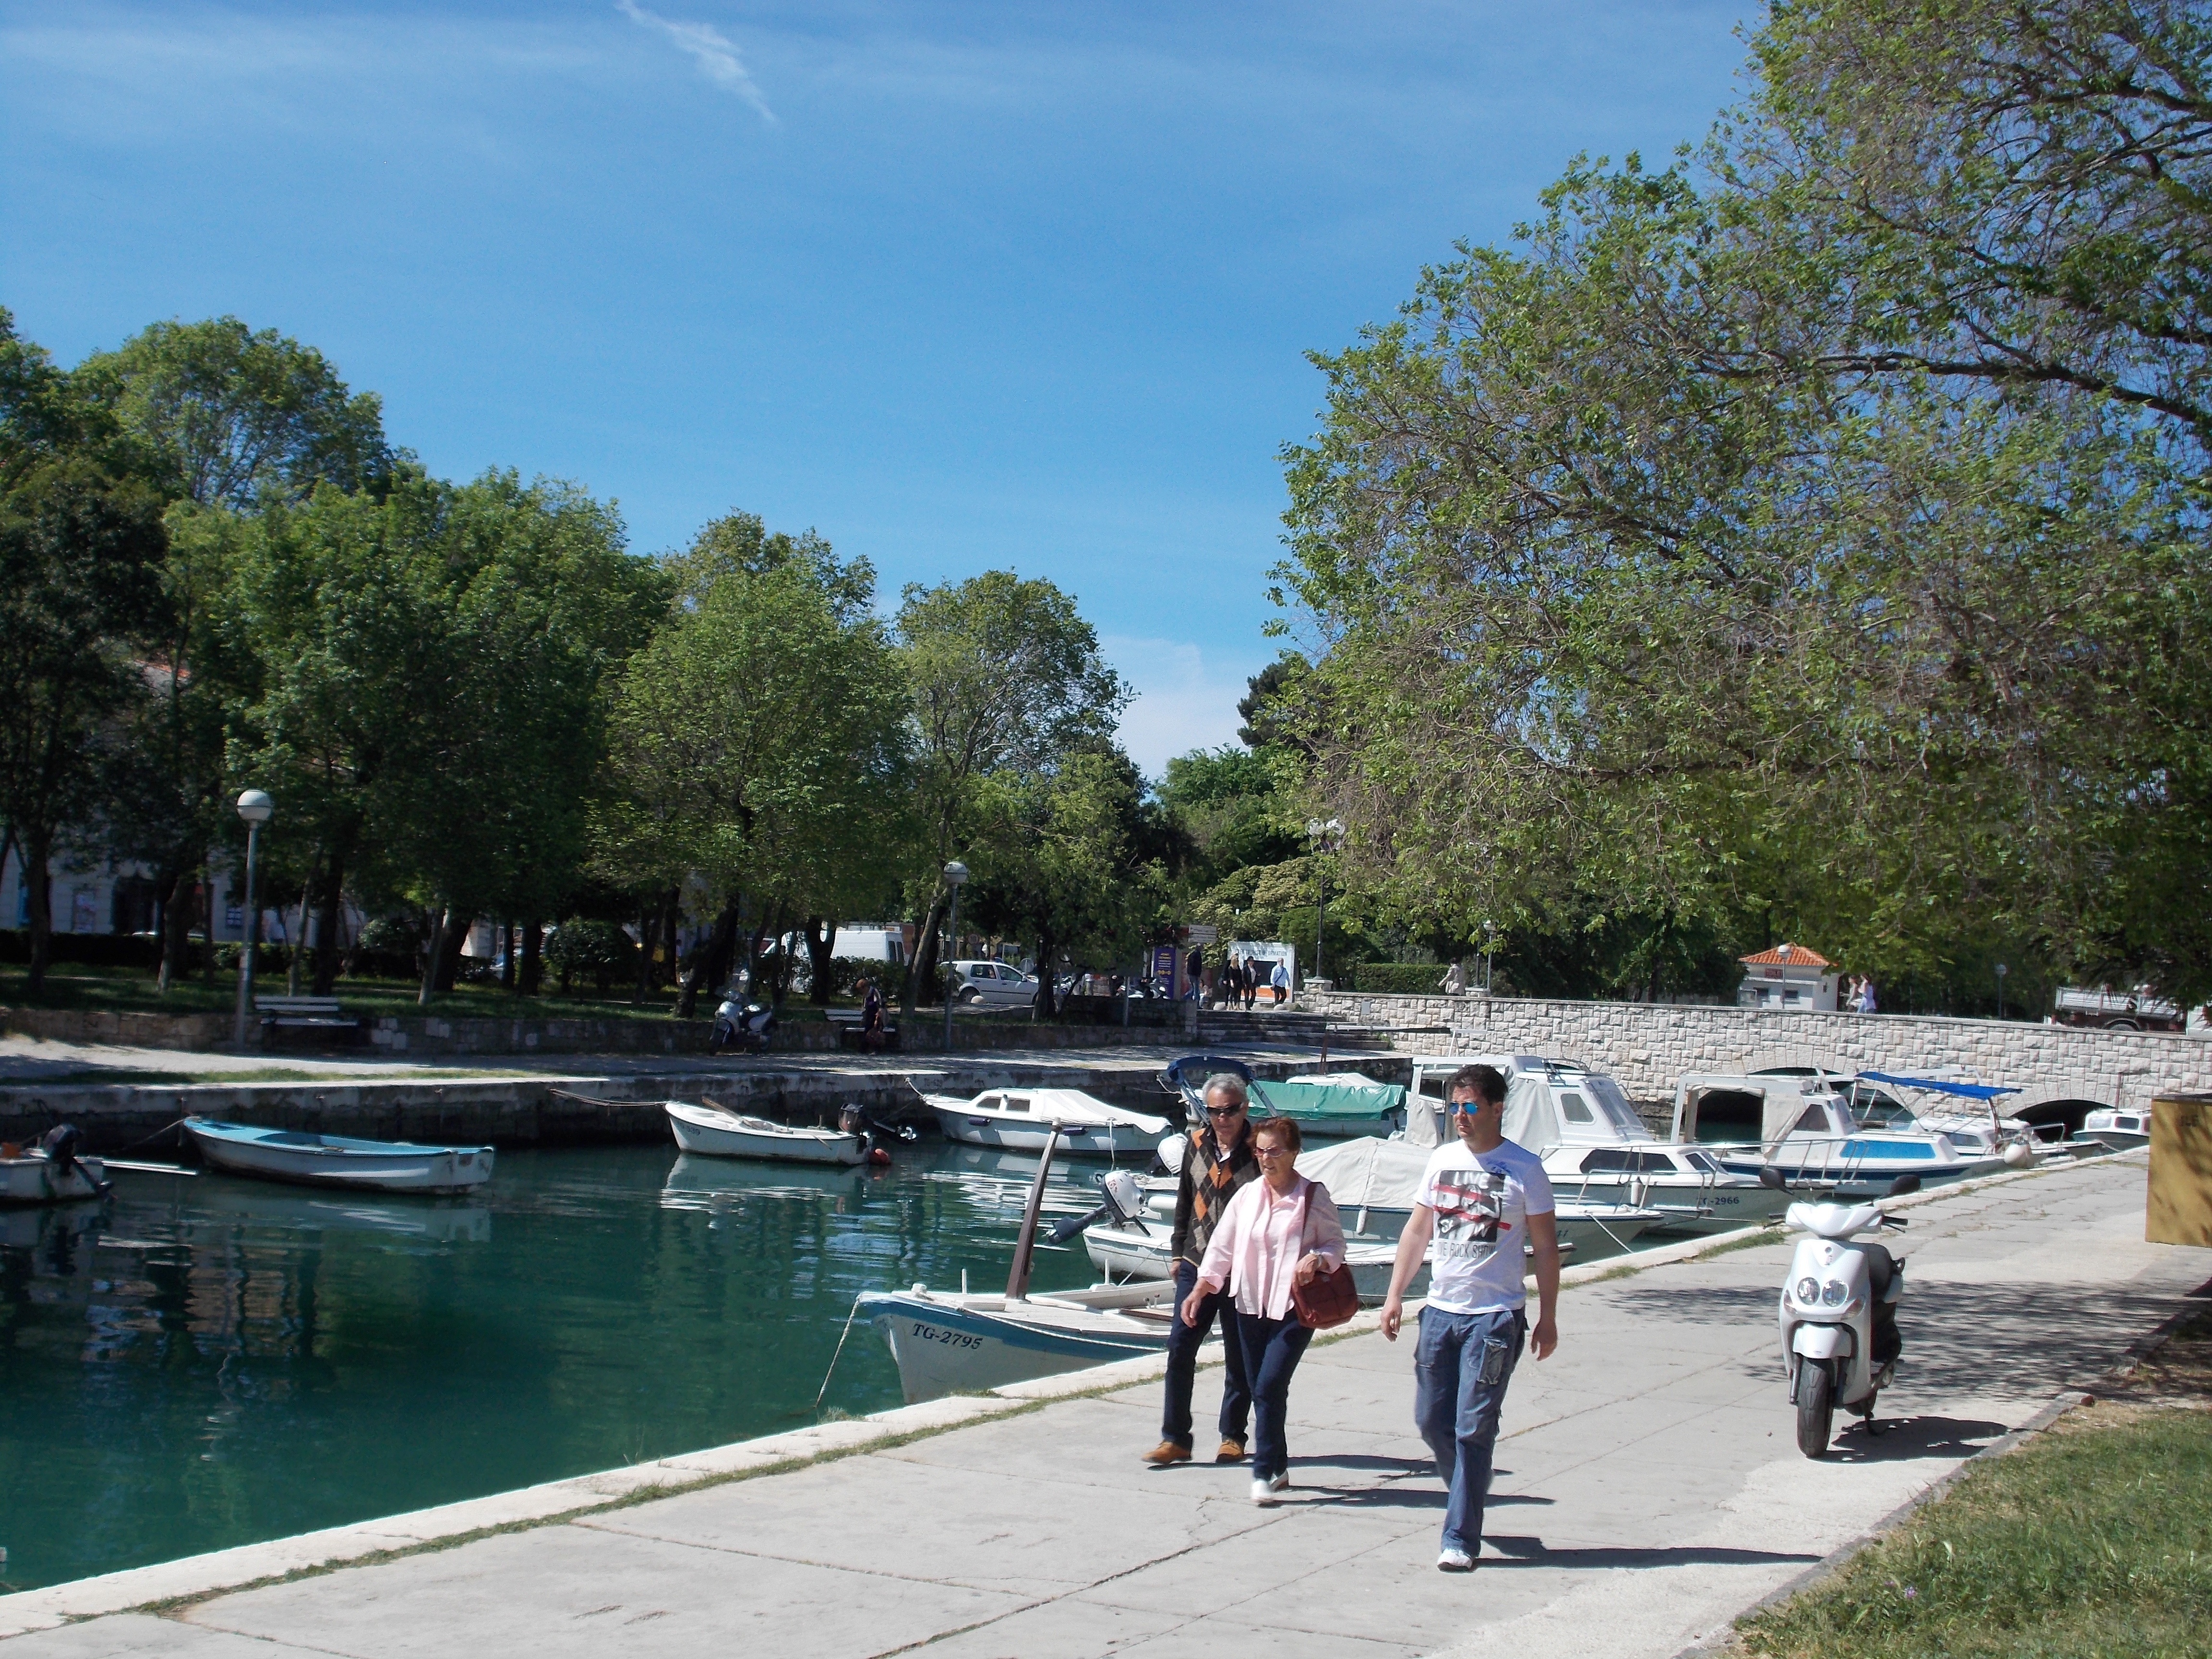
[[256, 808], [955, 876]]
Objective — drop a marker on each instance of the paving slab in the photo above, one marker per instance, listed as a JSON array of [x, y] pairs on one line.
[[1649, 1488]]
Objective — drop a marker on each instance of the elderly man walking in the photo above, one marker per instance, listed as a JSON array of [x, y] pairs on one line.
[[1216, 1162], [1482, 1198]]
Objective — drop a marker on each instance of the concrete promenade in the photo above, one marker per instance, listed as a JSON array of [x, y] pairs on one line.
[[1649, 1490]]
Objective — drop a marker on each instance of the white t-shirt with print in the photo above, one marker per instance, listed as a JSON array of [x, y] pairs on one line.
[[1482, 1202]]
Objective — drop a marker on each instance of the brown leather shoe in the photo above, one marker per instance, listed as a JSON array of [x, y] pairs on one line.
[[1232, 1451], [1166, 1452]]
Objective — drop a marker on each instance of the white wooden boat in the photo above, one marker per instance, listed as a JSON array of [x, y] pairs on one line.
[[297, 1155], [954, 1344], [33, 1179], [719, 1133], [1022, 1120]]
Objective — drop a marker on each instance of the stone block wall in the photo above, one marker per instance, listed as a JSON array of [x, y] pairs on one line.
[[1650, 1046]]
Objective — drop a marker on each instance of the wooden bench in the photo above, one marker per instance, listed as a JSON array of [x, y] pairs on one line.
[[319, 1015]]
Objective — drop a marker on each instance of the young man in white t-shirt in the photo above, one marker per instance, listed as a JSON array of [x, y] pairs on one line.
[[1482, 1198]]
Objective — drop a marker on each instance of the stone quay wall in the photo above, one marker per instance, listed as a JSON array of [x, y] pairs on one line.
[[1647, 1046]]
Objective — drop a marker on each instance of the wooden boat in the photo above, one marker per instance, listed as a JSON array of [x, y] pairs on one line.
[[296, 1155], [1023, 1120], [719, 1133], [32, 1178]]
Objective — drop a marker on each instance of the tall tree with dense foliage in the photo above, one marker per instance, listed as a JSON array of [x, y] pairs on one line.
[[1004, 677], [1731, 549]]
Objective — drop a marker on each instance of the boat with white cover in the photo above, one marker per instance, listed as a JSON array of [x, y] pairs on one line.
[[718, 1134], [1022, 1120], [2109, 1128], [34, 1178], [1376, 1184], [318, 1160]]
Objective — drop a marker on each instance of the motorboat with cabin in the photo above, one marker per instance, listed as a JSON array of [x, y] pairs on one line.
[[1803, 1127], [1595, 1145], [1024, 1121], [2117, 1129]]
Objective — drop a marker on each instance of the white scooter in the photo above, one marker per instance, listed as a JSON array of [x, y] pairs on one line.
[[1839, 1317]]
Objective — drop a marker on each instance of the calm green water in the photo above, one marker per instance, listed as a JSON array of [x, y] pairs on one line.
[[208, 1362]]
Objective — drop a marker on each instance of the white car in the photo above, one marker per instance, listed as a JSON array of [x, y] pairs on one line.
[[992, 985]]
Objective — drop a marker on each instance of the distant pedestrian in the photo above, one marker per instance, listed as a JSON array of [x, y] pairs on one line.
[[1481, 1197], [1454, 981], [1251, 982], [1280, 1228], [1866, 1005], [1195, 973], [1217, 1163], [871, 1016], [1232, 983], [1279, 981]]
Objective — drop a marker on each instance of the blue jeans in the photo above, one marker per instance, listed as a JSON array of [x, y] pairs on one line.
[[1184, 1342], [1461, 1368], [1272, 1348]]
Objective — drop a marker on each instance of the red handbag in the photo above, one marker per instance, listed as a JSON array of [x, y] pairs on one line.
[[1327, 1299]]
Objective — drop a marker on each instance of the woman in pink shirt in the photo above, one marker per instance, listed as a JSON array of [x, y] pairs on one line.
[[1278, 1230]]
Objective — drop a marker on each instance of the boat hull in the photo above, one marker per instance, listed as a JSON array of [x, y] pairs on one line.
[[312, 1160], [696, 1131], [25, 1181], [1006, 1132], [954, 1347]]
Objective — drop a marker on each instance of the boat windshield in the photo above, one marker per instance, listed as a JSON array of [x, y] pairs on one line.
[[1875, 1110], [1608, 1098]]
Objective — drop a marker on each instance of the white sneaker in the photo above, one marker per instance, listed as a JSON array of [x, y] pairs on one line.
[[1264, 1490], [1451, 1559]]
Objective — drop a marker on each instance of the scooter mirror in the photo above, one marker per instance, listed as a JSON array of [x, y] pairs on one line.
[[1904, 1184], [1772, 1177]]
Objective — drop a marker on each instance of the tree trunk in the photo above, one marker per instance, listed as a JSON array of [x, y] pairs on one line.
[[711, 962], [329, 920], [924, 965], [176, 929], [533, 956], [432, 956], [821, 943], [36, 847], [671, 917], [648, 927], [455, 932], [506, 955]]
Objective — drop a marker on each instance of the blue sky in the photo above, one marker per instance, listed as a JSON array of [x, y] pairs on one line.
[[960, 286]]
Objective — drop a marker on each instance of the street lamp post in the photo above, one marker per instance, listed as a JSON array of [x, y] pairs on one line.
[[1489, 942], [255, 808], [955, 876], [1326, 837], [2001, 974]]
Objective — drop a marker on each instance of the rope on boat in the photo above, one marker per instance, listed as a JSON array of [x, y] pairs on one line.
[[588, 1100], [823, 1390], [156, 1135]]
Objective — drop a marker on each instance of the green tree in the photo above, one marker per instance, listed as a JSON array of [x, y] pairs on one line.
[[1004, 679], [241, 418], [757, 747]]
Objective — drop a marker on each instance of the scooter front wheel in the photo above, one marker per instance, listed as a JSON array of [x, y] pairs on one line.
[[1816, 1406]]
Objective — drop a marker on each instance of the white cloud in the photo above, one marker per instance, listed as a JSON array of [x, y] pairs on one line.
[[1183, 701], [711, 49]]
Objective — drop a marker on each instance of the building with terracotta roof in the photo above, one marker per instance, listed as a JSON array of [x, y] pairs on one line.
[[1787, 976]]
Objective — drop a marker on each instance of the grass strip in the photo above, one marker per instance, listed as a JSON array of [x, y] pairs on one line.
[[2091, 1541]]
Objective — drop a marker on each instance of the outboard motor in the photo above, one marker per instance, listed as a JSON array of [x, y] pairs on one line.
[[61, 1144], [1124, 1207]]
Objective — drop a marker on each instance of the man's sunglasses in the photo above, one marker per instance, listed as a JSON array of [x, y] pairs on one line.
[[1222, 1111]]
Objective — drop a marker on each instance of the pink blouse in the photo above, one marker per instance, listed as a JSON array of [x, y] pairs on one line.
[[1259, 1242]]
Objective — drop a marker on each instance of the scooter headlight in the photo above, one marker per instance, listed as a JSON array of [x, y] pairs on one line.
[[1808, 1291], [1833, 1292]]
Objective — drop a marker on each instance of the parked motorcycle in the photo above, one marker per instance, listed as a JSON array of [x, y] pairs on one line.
[[742, 1026], [1839, 1314]]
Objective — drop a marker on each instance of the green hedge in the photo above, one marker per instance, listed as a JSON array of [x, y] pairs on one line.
[[1395, 978]]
